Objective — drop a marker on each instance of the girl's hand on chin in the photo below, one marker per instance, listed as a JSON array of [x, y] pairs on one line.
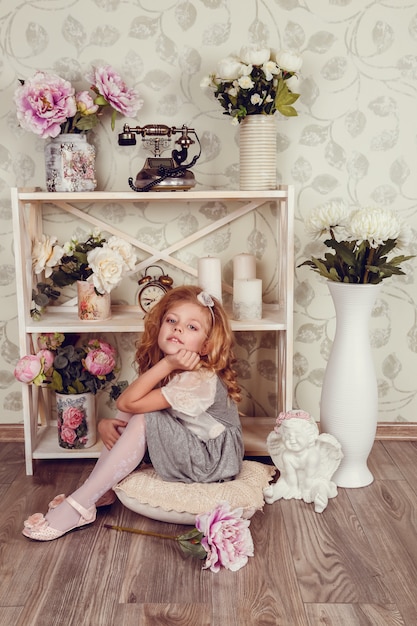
[[183, 360]]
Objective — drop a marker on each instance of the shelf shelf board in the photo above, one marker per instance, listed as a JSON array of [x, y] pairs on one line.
[[47, 447], [154, 196], [127, 319], [255, 432]]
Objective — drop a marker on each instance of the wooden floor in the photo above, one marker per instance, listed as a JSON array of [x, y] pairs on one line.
[[354, 564]]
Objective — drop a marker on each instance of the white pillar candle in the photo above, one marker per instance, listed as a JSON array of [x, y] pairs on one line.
[[247, 299], [244, 266], [210, 276]]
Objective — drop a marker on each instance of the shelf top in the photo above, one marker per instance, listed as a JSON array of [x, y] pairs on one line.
[[37, 194]]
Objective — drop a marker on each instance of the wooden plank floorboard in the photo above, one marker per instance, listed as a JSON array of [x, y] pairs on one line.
[[328, 569], [353, 565]]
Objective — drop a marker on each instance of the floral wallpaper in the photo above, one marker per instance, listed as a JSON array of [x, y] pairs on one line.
[[354, 139]]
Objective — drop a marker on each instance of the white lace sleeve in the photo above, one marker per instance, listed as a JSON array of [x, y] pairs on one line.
[[191, 392]]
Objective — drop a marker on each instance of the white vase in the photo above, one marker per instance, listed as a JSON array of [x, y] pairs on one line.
[[70, 163], [76, 419], [91, 305], [258, 153], [349, 398]]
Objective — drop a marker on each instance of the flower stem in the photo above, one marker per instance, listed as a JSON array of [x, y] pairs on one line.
[[368, 262], [141, 532]]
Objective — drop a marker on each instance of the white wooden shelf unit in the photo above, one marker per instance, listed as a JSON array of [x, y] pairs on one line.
[[27, 206]]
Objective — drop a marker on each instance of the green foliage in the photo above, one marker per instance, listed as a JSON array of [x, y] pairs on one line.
[[352, 263]]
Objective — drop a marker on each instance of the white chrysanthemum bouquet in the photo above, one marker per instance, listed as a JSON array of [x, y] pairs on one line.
[[361, 240]]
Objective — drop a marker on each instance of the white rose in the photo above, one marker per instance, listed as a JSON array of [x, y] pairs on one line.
[[254, 55], [229, 68], [107, 266], [125, 250], [289, 61], [45, 255]]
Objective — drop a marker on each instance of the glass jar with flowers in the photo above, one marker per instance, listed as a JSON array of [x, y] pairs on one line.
[[251, 87], [48, 106], [97, 266], [360, 243], [76, 372]]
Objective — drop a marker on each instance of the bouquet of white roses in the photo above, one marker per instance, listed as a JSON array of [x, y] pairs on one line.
[[258, 81], [96, 260], [361, 240]]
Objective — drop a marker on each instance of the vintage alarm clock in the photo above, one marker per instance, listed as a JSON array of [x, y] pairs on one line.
[[153, 289]]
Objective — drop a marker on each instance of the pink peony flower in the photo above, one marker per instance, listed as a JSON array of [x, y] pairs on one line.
[[43, 103], [35, 522], [99, 362], [98, 344], [85, 103], [29, 369], [227, 538], [48, 360], [106, 82], [72, 417]]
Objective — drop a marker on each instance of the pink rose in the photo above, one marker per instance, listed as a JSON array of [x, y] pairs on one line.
[[72, 417], [99, 363], [68, 435], [29, 369], [227, 538]]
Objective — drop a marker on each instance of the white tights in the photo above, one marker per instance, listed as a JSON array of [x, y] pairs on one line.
[[112, 466]]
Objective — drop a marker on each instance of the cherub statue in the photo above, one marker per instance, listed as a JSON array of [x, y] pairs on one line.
[[306, 460]]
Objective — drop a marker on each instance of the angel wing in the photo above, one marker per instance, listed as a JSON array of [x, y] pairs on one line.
[[330, 455], [276, 448]]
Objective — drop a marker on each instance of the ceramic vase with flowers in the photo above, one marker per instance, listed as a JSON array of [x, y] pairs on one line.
[[48, 106], [96, 265], [360, 242], [251, 88], [76, 372]]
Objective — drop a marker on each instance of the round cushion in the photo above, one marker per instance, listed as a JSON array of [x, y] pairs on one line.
[[144, 492]]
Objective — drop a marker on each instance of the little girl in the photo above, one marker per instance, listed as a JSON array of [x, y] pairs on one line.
[[182, 408]]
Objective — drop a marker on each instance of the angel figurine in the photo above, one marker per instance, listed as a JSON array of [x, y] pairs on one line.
[[306, 460]]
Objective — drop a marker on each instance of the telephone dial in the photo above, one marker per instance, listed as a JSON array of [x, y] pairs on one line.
[[162, 173]]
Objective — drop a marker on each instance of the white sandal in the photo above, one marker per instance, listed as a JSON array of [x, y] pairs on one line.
[[38, 528]]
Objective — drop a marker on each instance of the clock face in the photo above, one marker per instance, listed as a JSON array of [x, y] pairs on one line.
[[150, 295]]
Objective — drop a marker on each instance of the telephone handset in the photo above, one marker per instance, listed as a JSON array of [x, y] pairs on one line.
[[162, 173]]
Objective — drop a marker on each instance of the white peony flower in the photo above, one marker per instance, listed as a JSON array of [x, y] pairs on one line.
[[125, 250], [229, 68], [108, 268], [293, 83], [45, 255], [254, 54], [289, 61], [374, 225], [331, 215]]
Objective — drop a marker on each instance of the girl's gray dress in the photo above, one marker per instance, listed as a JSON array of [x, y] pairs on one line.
[[199, 438]]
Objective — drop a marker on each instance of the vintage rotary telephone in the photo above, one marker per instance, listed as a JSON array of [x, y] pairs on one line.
[[162, 174]]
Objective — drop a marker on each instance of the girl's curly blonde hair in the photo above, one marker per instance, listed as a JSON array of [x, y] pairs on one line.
[[219, 357]]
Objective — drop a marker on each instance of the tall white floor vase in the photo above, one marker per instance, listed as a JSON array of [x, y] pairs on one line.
[[349, 399]]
